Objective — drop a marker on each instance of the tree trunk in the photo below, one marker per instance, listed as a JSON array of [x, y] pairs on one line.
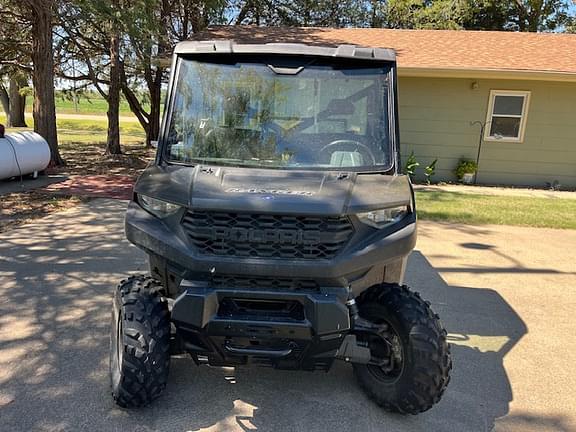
[[43, 76], [17, 102], [155, 88], [113, 142], [5, 101], [153, 75], [153, 130], [155, 85], [534, 20]]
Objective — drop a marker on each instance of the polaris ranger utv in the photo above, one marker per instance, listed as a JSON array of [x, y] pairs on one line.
[[278, 225]]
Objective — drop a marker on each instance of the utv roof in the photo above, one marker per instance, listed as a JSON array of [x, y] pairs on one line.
[[230, 47]]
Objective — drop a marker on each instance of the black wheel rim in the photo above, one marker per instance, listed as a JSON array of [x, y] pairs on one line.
[[386, 345], [116, 347], [119, 344]]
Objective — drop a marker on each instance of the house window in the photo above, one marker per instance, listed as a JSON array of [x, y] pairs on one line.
[[507, 112]]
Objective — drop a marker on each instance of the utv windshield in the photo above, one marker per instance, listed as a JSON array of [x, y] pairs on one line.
[[300, 114]]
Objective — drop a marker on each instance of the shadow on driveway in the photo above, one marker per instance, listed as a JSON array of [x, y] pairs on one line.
[[56, 280]]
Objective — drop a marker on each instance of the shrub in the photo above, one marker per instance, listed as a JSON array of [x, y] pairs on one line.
[[411, 165], [430, 170], [465, 166]]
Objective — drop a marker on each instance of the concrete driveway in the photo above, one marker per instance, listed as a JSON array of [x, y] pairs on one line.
[[506, 295]]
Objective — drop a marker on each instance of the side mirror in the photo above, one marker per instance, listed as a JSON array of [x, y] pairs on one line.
[[154, 144]]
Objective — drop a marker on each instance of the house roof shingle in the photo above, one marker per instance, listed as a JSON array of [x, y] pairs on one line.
[[446, 50]]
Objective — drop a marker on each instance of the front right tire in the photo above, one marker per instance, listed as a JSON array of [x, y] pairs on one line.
[[416, 362], [139, 342]]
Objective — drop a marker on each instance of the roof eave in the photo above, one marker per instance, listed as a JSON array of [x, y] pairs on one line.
[[509, 74]]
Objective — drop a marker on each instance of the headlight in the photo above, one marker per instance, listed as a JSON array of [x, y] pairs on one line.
[[157, 207], [383, 217]]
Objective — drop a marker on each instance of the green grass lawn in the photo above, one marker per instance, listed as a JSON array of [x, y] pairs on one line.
[[493, 209], [92, 104], [90, 131], [94, 131], [95, 105]]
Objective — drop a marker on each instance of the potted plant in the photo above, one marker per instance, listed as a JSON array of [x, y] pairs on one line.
[[465, 171]]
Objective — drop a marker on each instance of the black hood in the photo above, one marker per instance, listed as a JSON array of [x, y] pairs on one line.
[[273, 191]]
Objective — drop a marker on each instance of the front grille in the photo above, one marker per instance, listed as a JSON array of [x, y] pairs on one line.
[[267, 236], [263, 283]]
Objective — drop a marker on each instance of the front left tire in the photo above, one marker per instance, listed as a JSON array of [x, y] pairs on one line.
[[139, 342]]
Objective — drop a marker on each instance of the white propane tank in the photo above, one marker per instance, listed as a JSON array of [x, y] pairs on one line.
[[23, 153]]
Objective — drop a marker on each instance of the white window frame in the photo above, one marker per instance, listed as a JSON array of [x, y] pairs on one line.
[[523, 117]]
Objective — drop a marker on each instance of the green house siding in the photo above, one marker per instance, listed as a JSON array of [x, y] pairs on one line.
[[435, 122]]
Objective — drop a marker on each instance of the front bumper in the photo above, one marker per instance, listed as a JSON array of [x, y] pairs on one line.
[[285, 330]]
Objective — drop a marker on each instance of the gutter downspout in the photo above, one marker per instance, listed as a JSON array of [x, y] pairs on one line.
[[480, 141]]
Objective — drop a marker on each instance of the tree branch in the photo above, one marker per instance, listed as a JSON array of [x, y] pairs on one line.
[[135, 105], [16, 63]]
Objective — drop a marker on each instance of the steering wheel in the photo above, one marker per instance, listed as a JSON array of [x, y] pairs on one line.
[[271, 125], [355, 143]]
